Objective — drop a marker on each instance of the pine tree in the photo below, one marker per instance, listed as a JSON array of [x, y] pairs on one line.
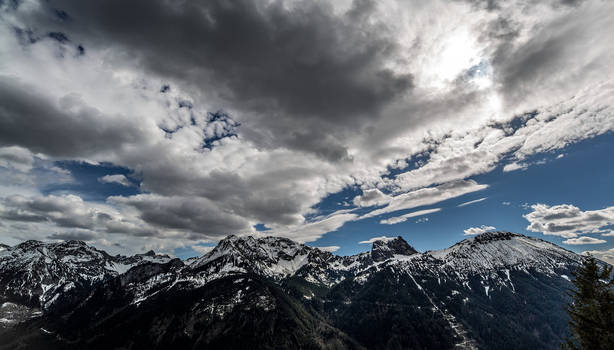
[[591, 310]]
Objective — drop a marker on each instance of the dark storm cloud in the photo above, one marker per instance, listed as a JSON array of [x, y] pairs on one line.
[[305, 60], [267, 197], [559, 54], [192, 214], [299, 72], [17, 215], [526, 67], [327, 148], [59, 128]]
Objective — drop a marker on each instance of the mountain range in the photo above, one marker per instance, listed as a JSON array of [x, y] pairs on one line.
[[498, 290]]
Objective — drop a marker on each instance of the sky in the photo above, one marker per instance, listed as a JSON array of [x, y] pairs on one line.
[[169, 125]]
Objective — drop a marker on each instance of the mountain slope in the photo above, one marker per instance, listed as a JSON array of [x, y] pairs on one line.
[[497, 290], [37, 276]]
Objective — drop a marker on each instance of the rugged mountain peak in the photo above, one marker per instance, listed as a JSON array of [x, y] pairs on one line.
[[495, 236], [73, 243], [386, 249], [36, 273], [495, 250], [29, 244], [270, 256], [249, 246]]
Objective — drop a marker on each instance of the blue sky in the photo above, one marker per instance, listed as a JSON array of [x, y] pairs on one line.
[[328, 122], [582, 177]]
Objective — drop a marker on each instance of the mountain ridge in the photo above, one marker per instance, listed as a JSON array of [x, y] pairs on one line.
[[448, 293]]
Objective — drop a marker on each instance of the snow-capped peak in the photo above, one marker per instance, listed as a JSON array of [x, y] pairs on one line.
[[270, 256], [35, 272], [493, 250]]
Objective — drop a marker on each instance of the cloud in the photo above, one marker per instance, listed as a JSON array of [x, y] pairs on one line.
[[506, 203], [403, 218], [265, 56], [30, 119], [15, 157], [515, 166], [478, 230], [118, 179], [568, 40], [195, 216], [331, 248], [405, 101], [471, 202], [311, 231], [567, 220], [65, 217], [68, 211], [428, 196], [583, 240], [202, 250], [604, 255], [79, 236], [380, 238], [371, 197]]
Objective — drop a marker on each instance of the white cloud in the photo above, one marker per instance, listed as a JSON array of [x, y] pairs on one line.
[[371, 197], [515, 166], [567, 220], [330, 248], [380, 238], [506, 203], [428, 196], [311, 231], [403, 218], [68, 216], [478, 230], [15, 157], [68, 211], [584, 240], [471, 202], [118, 179], [604, 255]]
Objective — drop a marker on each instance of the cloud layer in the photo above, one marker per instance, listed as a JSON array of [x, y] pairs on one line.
[[404, 217], [569, 221], [238, 113]]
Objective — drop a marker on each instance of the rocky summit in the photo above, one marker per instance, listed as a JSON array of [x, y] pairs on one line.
[[498, 290]]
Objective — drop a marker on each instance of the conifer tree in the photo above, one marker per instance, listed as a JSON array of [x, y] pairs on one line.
[[591, 310]]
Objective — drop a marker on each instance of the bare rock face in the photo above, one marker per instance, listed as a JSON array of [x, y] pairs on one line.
[[386, 249]]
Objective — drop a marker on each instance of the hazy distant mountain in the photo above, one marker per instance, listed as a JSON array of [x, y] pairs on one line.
[[497, 290]]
